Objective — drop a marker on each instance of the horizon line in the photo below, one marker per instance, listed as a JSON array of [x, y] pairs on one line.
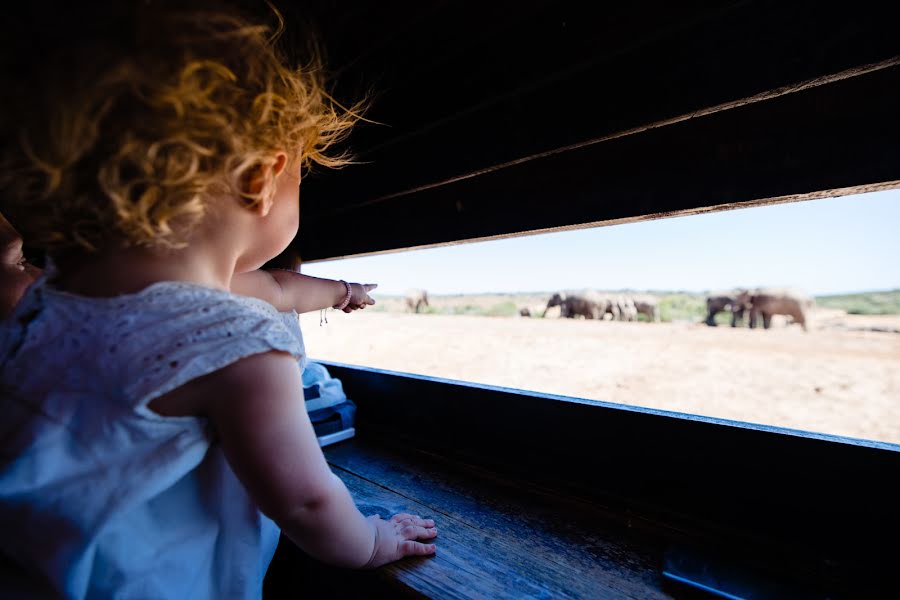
[[642, 291]]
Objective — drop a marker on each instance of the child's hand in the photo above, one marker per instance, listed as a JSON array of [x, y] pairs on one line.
[[359, 296], [396, 538]]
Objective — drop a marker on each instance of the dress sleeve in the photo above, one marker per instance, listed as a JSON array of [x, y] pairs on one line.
[[203, 336]]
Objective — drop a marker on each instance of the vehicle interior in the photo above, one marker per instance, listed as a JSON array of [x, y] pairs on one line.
[[497, 119], [505, 119]]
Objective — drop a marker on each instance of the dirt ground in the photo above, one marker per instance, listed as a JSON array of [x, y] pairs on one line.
[[842, 378]]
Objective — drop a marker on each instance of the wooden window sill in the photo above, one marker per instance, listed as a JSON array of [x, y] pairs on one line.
[[497, 538]]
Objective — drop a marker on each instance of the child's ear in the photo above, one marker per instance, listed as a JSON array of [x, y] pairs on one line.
[[281, 161], [264, 175]]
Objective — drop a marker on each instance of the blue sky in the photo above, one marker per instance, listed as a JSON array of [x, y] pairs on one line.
[[828, 246]]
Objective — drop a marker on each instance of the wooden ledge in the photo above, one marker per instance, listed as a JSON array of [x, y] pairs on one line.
[[496, 539], [502, 538]]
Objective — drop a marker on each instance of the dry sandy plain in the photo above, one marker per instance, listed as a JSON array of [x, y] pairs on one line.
[[842, 378]]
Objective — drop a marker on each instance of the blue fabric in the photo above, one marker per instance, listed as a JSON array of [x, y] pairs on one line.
[[329, 408], [334, 418], [100, 497]]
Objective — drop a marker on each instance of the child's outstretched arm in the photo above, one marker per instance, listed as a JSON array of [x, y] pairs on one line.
[[256, 407], [287, 290]]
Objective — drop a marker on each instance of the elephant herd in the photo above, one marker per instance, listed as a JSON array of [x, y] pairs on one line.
[[760, 302], [596, 305], [763, 302]]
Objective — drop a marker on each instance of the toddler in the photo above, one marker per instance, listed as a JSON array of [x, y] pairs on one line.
[[154, 437]]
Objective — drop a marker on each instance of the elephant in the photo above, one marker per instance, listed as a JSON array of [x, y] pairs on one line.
[[416, 300], [556, 300], [605, 304], [647, 306], [573, 305], [580, 306], [717, 304], [627, 309], [775, 301], [594, 305]]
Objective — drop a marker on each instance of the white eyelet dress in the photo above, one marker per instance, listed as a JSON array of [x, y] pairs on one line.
[[100, 497]]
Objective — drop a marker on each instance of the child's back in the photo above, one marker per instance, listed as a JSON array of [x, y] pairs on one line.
[[105, 496]]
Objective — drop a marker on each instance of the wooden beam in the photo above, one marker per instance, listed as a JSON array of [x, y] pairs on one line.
[[837, 136], [461, 92]]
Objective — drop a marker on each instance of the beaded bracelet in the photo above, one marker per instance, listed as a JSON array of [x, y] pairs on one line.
[[346, 301]]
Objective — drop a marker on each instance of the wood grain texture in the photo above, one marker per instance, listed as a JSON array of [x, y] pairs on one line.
[[500, 540], [836, 136], [461, 90], [488, 115]]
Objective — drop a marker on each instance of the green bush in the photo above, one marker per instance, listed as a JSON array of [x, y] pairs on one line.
[[683, 307], [503, 309], [872, 303]]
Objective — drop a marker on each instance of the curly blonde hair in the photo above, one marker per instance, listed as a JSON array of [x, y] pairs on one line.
[[142, 124]]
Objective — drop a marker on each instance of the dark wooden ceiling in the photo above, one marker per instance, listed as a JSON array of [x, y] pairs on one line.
[[497, 118]]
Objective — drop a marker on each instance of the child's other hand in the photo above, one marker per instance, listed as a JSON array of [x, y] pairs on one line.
[[396, 538], [359, 296]]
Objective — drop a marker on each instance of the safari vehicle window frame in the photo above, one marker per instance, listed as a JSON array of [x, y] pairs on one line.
[[673, 113], [813, 499], [815, 502]]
